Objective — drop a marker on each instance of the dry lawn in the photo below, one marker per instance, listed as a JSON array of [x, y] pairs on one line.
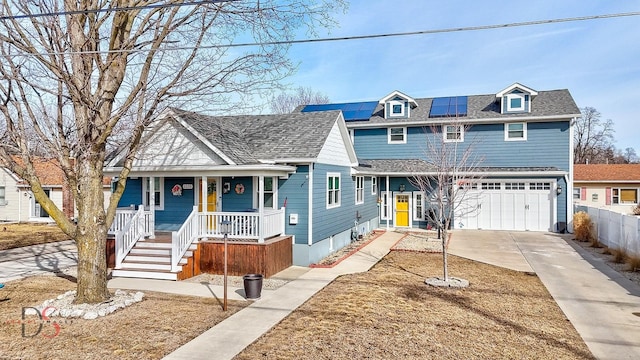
[[19, 235], [150, 329], [389, 313]]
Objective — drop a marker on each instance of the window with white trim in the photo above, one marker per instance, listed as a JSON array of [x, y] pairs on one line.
[[333, 190], [268, 192], [359, 189], [395, 108], [624, 196], [397, 135], [544, 186], [418, 205], [453, 133], [491, 186], [513, 186], [158, 194], [516, 102], [515, 131], [576, 193], [374, 185], [3, 199], [384, 205]]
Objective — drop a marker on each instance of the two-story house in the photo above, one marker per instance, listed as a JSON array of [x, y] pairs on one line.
[[523, 136]]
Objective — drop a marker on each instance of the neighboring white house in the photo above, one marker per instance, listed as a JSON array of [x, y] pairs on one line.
[[18, 204], [615, 187]]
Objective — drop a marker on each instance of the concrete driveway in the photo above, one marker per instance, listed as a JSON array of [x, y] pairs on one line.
[[596, 299]]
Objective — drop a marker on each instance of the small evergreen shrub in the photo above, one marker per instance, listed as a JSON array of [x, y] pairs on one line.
[[583, 227]]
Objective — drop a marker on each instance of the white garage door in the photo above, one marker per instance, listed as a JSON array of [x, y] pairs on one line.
[[509, 205]]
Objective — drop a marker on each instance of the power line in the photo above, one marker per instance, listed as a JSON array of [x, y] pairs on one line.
[[362, 37]]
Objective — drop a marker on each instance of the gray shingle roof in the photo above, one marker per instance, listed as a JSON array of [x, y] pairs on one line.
[[247, 138], [479, 107]]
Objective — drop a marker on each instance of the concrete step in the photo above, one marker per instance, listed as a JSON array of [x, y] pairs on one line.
[[144, 274]]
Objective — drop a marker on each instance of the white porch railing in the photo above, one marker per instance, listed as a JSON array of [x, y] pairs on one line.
[[182, 239], [123, 216], [615, 230], [127, 237], [244, 225]]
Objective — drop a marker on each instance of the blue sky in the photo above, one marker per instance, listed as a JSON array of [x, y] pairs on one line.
[[597, 60]]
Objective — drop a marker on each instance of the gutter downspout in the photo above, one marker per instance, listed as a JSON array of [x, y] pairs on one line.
[[569, 179], [389, 197], [310, 206]]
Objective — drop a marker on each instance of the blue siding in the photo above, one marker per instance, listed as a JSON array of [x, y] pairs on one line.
[[176, 208], [233, 201], [132, 193], [295, 190], [329, 222], [547, 144]]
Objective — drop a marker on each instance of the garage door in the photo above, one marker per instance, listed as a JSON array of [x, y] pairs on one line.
[[508, 205]]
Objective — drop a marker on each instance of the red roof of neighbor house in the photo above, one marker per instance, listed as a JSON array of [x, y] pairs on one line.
[[50, 173], [606, 172]]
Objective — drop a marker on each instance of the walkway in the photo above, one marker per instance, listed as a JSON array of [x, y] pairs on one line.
[[596, 299], [37, 259]]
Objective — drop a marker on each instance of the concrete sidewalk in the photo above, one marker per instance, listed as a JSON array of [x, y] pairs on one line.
[[231, 336], [596, 299]]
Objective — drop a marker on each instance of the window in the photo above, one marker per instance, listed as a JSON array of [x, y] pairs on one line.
[[268, 192], [540, 186], [515, 131], [333, 190], [3, 199], [397, 135], [158, 194], [514, 186], [625, 196], [395, 108], [594, 197], [384, 205], [359, 189], [490, 186], [516, 102], [374, 185], [453, 133], [576, 193], [418, 206]]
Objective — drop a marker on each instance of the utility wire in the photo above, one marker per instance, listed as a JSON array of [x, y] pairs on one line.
[[362, 37]]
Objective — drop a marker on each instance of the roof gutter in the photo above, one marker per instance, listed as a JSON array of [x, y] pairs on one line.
[[442, 121]]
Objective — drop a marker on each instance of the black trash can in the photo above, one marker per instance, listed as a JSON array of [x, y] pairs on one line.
[[252, 285]]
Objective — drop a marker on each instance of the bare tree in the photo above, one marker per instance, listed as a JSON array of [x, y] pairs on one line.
[[72, 73], [287, 102], [592, 137], [451, 184], [630, 155]]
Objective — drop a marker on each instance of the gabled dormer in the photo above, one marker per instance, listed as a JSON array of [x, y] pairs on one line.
[[515, 99], [397, 105]]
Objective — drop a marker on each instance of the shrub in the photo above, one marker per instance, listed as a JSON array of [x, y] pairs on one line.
[[583, 227], [606, 250], [636, 210], [634, 263], [619, 256]]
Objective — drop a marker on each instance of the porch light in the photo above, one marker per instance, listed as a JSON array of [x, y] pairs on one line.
[[225, 229], [402, 188], [558, 190]]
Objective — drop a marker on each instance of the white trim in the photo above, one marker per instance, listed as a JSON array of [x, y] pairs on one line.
[[359, 201], [397, 93], [338, 201], [514, 86], [310, 187], [517, 96], [146, 183], [418, 215], [404, 135], [391, 104], [468, 121], [374, 185], [384, 205], [409, 208], [524, 132], [444, 133]]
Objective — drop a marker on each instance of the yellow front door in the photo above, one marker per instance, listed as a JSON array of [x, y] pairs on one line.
[[211, 195], [402, 210]]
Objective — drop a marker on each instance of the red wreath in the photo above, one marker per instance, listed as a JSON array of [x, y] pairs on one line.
[[239, 189]]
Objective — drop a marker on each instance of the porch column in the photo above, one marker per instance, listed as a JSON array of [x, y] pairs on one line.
[[203, 194], [152, 207], [261, 208], [389, 199]]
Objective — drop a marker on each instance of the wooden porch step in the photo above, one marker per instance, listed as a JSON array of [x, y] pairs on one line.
[[145, 274]]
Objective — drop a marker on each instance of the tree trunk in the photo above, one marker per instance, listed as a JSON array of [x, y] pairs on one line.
[[444, 255], [91, 234]]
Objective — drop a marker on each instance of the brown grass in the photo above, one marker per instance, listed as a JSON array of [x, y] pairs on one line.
[[150, 329], [583, 227], [19, 235], [633, 263], [619, 255], [389, 313]]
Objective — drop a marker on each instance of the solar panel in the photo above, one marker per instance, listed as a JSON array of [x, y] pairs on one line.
[[448, 107], [350, 111]]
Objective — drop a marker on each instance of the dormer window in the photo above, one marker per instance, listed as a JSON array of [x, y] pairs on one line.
[[515, 99], [396, 108], [397, 105]]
